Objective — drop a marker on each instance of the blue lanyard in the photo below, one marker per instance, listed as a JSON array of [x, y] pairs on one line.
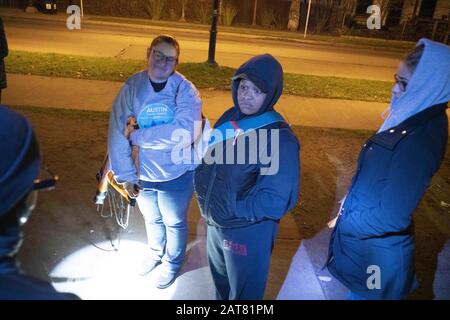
[[232, 129]]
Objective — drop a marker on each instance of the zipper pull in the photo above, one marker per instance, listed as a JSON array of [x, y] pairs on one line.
[[238, 131]]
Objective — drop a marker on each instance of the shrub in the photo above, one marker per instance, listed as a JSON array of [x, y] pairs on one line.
[[229, 13], [155, 8]]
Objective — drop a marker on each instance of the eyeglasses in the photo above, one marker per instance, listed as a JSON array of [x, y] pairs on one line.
[[159, 56], [46, 181], [401, 81]]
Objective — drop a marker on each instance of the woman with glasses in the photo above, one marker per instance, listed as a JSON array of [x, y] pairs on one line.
[[372, 244], [163, 102], [19, 172]]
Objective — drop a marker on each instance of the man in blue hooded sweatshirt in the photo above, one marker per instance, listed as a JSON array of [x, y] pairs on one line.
[[242, 194]]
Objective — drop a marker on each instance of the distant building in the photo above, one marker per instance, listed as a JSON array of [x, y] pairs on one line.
[[428, 9], [433, 16], [401, 10]]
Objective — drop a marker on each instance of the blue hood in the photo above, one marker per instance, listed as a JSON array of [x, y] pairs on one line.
[[268, 73], [429, 85]]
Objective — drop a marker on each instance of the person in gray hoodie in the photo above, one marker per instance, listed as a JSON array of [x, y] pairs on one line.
[[162, 101]]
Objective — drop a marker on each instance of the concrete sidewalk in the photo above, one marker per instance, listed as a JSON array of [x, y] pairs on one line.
[[94, 95]]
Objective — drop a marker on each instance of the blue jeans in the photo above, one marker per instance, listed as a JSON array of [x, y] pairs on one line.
[[164, 206]]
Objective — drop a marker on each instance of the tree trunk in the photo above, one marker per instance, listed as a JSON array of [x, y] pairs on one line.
[[414, 14], [349, 8], [323, 14], [254, 13], [385, 14], [294, 15], [183, 11], [183, 16], [385, 7], [220, 21]]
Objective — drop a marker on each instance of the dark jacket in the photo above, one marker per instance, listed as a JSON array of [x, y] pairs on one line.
[[375, 226], [234, 195]]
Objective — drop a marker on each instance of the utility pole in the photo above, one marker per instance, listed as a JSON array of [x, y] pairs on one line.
[[213, 34], [307, 18], [255, 5]]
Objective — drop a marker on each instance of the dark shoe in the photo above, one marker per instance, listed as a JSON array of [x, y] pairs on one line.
[[165, 278], [147, 265]]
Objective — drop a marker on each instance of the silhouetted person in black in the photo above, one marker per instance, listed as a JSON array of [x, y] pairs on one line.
[[19, 187]]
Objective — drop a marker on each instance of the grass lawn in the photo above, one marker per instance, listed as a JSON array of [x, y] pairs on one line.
[[201, 74]]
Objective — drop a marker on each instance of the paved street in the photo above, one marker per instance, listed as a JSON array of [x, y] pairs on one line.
[[110, 40]]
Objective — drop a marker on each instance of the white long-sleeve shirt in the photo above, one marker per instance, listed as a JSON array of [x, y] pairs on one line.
[[159, 114]]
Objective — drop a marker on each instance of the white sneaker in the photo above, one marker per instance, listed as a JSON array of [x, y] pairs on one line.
[[147, 265], [165, 278]]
